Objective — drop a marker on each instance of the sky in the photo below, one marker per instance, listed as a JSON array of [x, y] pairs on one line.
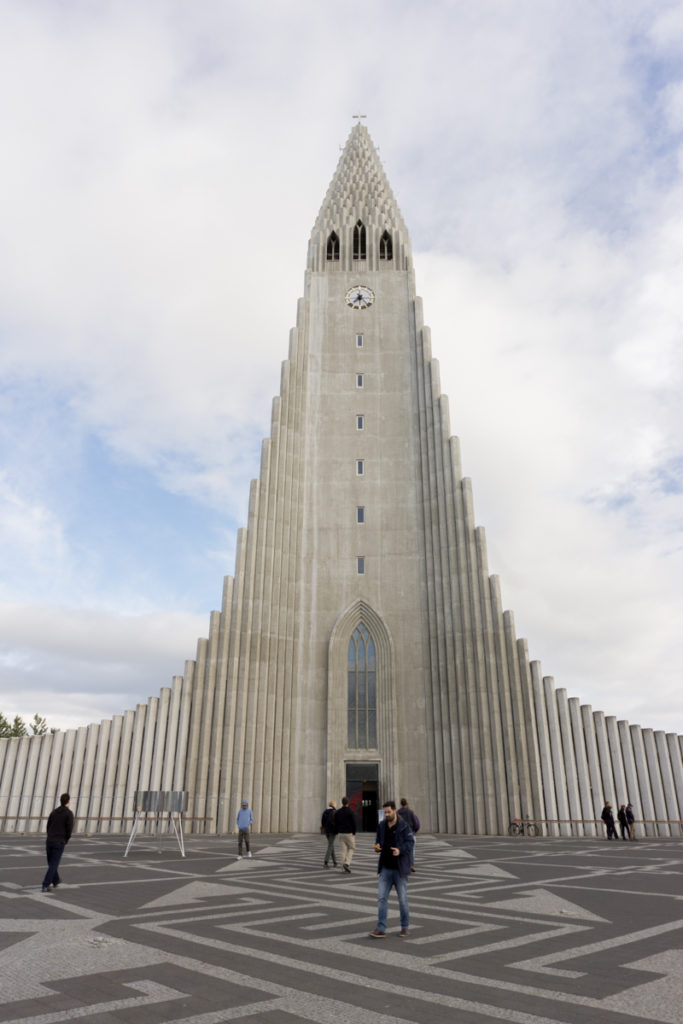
[[163, 165]]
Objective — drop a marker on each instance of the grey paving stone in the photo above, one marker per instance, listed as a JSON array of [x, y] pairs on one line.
[[532, 931]]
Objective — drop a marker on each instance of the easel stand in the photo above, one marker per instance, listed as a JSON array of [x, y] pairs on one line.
[[159, 804]]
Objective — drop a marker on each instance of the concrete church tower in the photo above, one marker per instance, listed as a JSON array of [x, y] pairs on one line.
[[362, 647]]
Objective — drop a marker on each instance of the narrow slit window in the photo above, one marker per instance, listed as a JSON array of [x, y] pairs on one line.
[[333, 246], [359, 341], [360, 422], [360, 565], [361, 690], [360, 467], [386, 249], [359, 244], [359, 380], [360, 514]]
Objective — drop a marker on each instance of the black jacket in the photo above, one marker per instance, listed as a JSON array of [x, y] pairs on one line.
[[327, 822], [344, 821], [60, 825]]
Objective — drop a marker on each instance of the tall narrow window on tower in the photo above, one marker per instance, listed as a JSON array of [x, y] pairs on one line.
[[359, 248], [386, 250], [362, 691], [333, 246]]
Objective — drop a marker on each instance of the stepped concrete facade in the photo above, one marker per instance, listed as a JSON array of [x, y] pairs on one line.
[[361, 646]]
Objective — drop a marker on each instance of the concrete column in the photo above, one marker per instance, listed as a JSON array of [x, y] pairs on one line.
[[147, 749], [593, 759], [9, 747], [17, 784], [101, 758], [569, 758], [109, 780], [632, 789], [545, 753], [133, 780], [46, 743], [66, 766], [29, 784], [123, 770], [559, 773], [655, 777], [81, 799], [668, 783], [640, 758], [533, 751], [158, 752], [582, 770], [51, 794], [172, 733], [180, 775], [676, 760]]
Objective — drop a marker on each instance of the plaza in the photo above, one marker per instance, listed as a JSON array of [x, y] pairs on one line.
[[582, 931]]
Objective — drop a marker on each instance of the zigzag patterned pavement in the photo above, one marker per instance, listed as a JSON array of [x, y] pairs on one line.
[[536, 931]]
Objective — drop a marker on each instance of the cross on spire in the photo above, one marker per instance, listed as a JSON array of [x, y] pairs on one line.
[[358, 116]]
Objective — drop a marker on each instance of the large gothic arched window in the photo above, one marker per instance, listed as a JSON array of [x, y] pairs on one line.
[[359, 248], [362, 691], [333, 246], [386, 251]]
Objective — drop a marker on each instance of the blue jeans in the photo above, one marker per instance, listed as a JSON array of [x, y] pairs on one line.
[[389, 877], [54, 853]]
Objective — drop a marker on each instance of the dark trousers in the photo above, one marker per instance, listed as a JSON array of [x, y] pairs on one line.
[[54, 853], [330, 852]]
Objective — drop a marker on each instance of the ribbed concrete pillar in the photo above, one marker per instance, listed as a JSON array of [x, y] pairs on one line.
[[46, 744], [676, 761], [544, 749], [8, 747], [582, 769], [656, 786], [644, 787], [593, 758], [119, 808], [569, 759], [559, 773], [51, 791], [668, 782], [624, 744], [109, 778], [28, 786], [95, 809], [17, 783]]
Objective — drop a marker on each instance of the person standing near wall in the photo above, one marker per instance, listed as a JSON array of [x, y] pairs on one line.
[[345, 824], [60, 825], [245, 819], [408, 814], [330, 833]]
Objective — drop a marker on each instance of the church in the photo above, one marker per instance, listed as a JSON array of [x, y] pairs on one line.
[[361, 647]]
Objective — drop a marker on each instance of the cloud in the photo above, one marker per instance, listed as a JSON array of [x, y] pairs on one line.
[[165, 163]]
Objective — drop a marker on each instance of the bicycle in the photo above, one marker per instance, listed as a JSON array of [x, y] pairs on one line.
[[521, 827]]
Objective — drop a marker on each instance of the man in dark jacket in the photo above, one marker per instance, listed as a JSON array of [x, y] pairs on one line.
[[330, 832], [60, 825], [393, 842], [345, 825], [608, 818], [408, 814], [623, 823]]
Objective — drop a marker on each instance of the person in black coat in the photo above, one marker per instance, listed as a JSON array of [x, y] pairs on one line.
[[330, 832], [345, 824], [60, 825], [608, 818]]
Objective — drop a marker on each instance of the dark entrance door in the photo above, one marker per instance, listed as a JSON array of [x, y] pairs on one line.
[[362, 789]]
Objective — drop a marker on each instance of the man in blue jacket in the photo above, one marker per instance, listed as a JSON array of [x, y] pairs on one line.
[[245, 819], [393, 842]]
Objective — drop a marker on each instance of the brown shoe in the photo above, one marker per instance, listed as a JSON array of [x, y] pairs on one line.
[[377, 934], [403, 933]]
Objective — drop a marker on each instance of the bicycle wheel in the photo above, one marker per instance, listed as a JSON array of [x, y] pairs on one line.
[[514, 829], [531, 829]]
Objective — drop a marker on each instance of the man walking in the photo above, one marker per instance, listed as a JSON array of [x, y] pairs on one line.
[[408, 814], [60, 825], [327, 827], [393, 842], [608, 818], [245, 819], [630, 821], [345, 824], [623, 823]]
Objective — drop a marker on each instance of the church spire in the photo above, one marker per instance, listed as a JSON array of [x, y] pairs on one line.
[[359, 196]]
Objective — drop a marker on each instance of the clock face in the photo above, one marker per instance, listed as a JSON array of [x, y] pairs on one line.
[[360, 297]]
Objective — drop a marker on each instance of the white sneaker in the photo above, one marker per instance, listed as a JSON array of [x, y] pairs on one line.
[[239, 856], [249, 854]]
